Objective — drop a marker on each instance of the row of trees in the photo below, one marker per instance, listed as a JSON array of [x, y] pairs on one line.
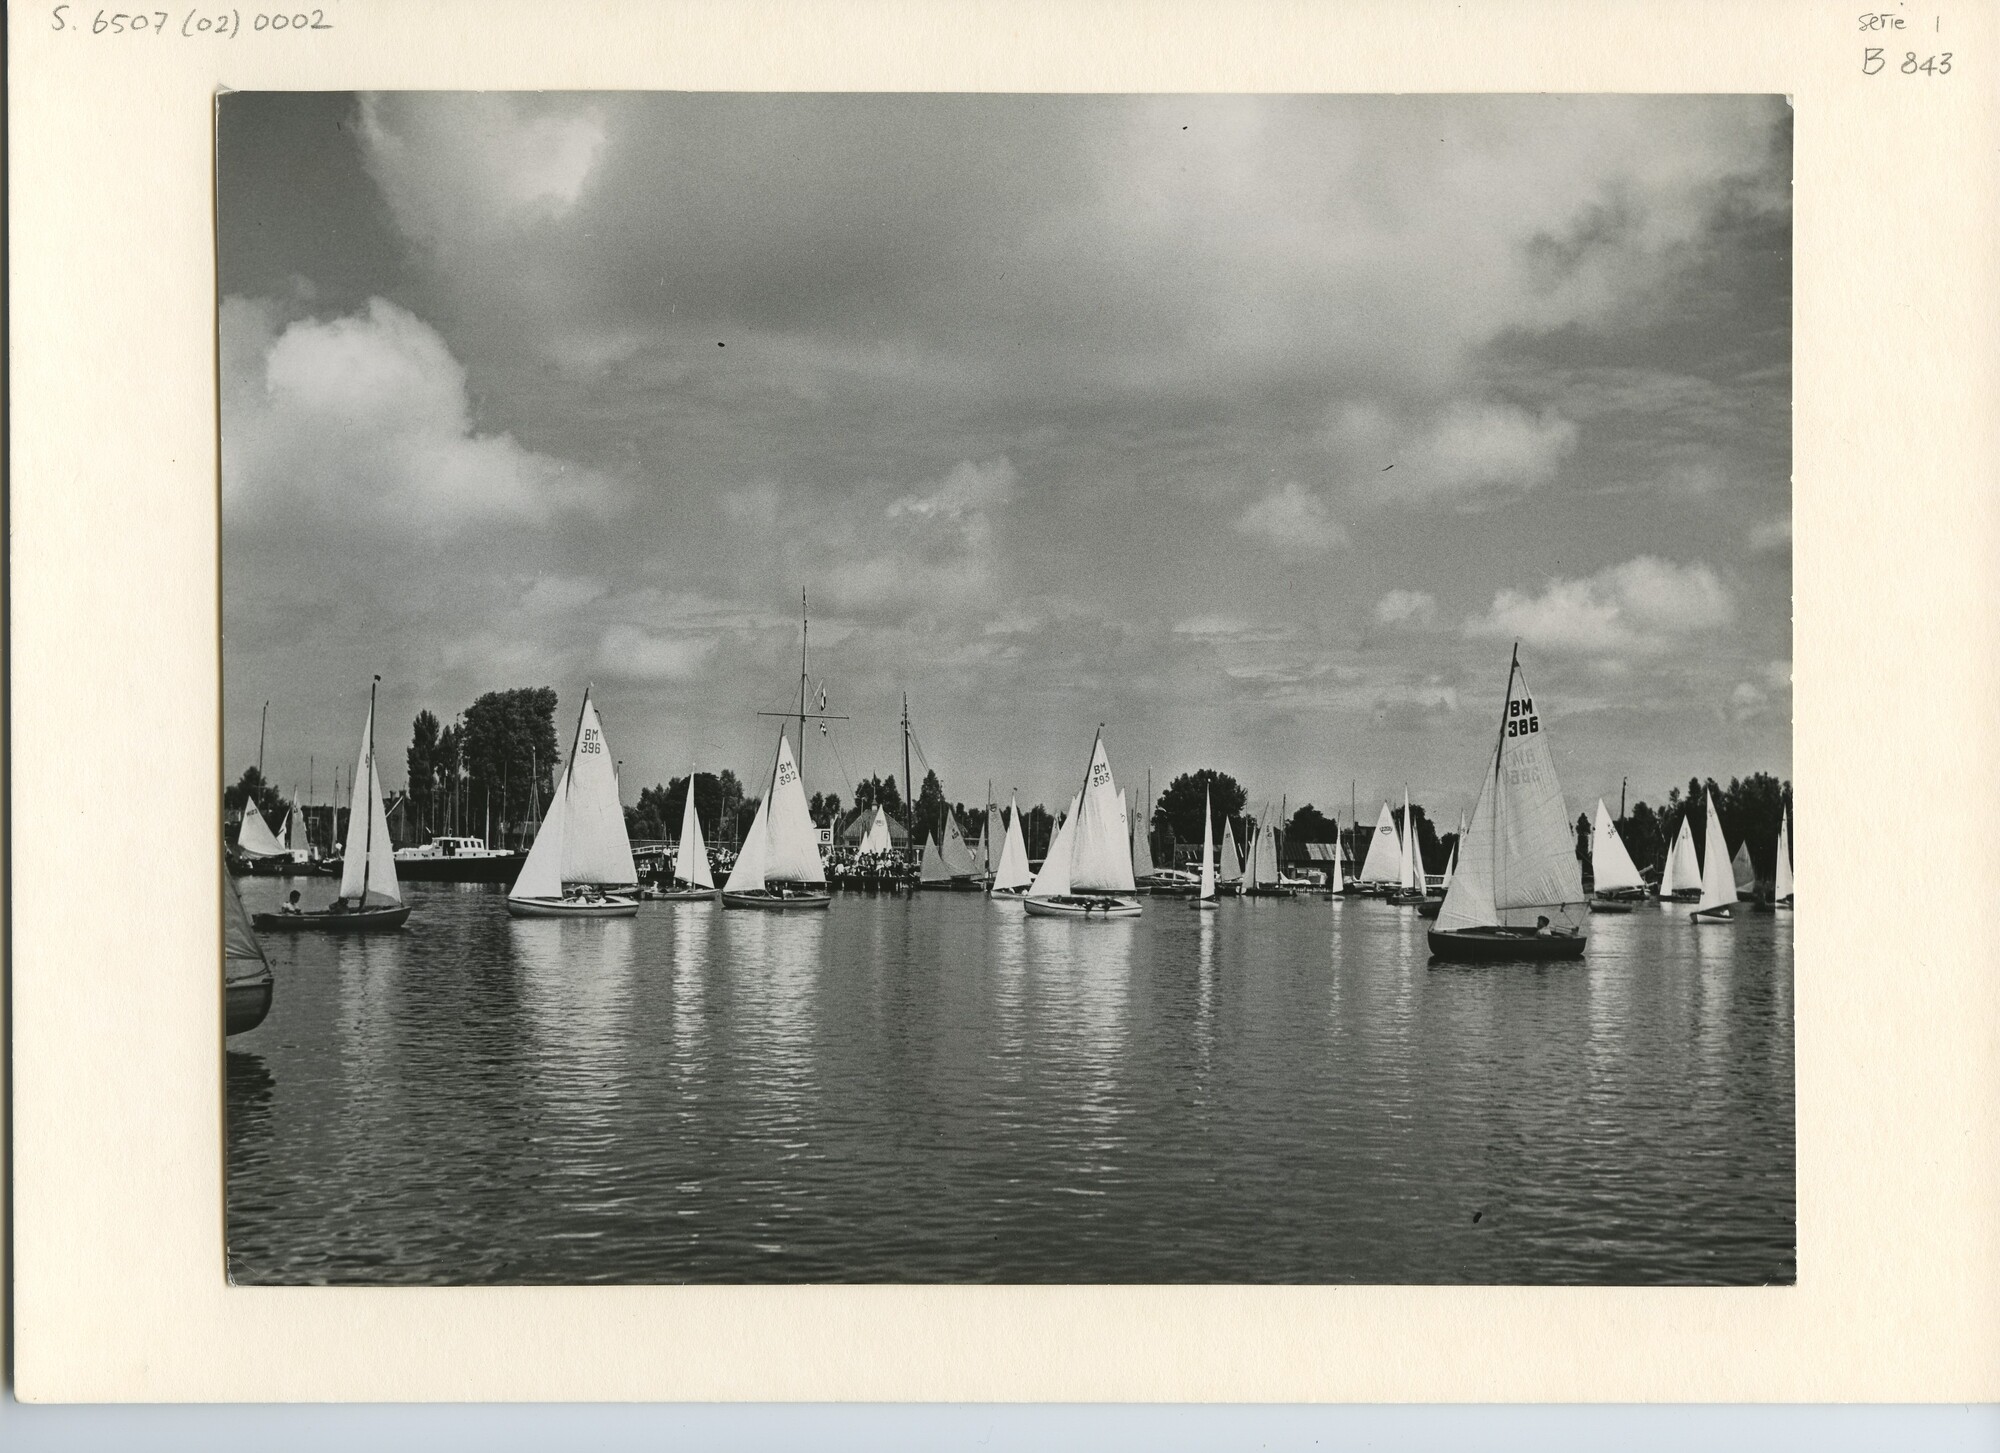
[[490, 770], [1750, 807]]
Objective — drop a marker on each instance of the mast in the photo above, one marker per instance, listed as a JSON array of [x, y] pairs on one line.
[[805, 628], [367, 833], [909, 797], [1621, 797], [261, 721]]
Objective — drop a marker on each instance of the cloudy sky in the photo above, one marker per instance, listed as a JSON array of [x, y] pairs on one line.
[[1258, 429]]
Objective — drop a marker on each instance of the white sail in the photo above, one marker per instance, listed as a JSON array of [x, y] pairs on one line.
[[933, 869], [1207, 847], [1054, 879], [958, 859], [876, 838], [368, 871], [747, 875], [1383, 861], [1142, 848], [298, 841], [793, 841], [1718, 882], [691, 858], [1012, 871], [1451, 867], [991, 836], [1338, 882], [1101, 853], [1745, 873], [1611, 866], [1264, 852], [1230, 870], [243, 958], [541, 876], [1518, 862], [255, 838], [1685, 864], [1406, 849], [1781, 887], [596, 848]]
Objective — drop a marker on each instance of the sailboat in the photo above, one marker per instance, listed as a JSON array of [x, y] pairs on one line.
[[1088, 872], [1680, 879], [1144, 870], [1781, 886], [992, 833], [1615, 880], [298, 841], [1205, 895], [1744, 872], [876, 839], [1261, 879], [1409, 862], [1011, 876], [1718, 879], [1229, 868], [959, 864], [246, 973], [257, 847], [780, 866], [1518, 892], [1382, 866], [370, 898], [581, 863], [693, 881], [932, 873]]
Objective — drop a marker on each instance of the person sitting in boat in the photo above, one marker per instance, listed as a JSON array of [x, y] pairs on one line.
[[1543, 929], [339, 905], [292, 905]]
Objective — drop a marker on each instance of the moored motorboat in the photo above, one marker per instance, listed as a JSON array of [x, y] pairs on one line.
[[458, 860], [1518, 890], [581, 863]]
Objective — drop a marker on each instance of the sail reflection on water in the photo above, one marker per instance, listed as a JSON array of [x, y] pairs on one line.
[[575, 981]]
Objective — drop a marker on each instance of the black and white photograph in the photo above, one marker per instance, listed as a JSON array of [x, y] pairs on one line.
[[1006, 688]]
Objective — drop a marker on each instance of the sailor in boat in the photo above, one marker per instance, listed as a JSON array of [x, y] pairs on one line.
[[1542, 928], [292, 905]]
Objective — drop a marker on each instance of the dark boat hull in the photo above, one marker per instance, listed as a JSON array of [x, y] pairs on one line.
[[1499, 945], [777, 902], [370, 920], [615, 905], [449, 868], [1269, 891], [1430, 908], [244, 1005], [681, 895], [1610, 905], [1071, 905], [1407, 900]]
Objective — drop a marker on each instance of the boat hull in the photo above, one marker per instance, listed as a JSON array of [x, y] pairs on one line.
[[1269, 890], [1206, 905], [367, 920], [613, 906], [1407, 900], [452, 868], [1007, 892], [1724, 914], [777, 902], [1610, 905], [680, 895], [1431, 908], [1503, 945], [244, 1005], [1075, 907]]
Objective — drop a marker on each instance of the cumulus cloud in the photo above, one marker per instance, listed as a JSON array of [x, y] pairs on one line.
[[1467, 446], [633, 652], [367, 416], [1641, 607], [1294, 520], [1405, 608]]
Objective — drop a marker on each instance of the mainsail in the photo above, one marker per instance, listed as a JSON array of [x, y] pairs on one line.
[[1611, 866], [1231, 868], [1207, 847], [1142, 848], [691, 857], [1781, 886], [1451, 867], [583, 838], [1054, 879], [368, 870], [1012, 870], [1683, 870], [933, 869], [1406, 850], [958, 859], [990, 839], [793, 845], [255, 838], [1101, 855], [1382, 863], [747, 874], [1745, 872], [1264, 853], [1718, 882], [876, 838], [1518, 861], [297, 839]]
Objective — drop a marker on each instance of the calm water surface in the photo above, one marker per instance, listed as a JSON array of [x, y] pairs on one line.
[[939, 1088]]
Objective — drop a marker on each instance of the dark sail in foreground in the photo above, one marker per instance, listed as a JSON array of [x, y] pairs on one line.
[[1518, 891]]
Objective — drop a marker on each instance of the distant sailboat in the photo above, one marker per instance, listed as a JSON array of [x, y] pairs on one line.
[[370, 898], [1011, 875], [1681, 877], [1090, 874], [1205, 894], [1518, 892], [1229, 868], [1718, 878], [693, 880], [958, 859], [932, 873], [254, 839], [1143, 866], [1614, 876], [1744, 871], [780, 866], [1409, 861], [246, 973], [581, 863], [1381, 866], [298, 840], [1433, 904], [1261, 878], [876, 839], [1781, 886]]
